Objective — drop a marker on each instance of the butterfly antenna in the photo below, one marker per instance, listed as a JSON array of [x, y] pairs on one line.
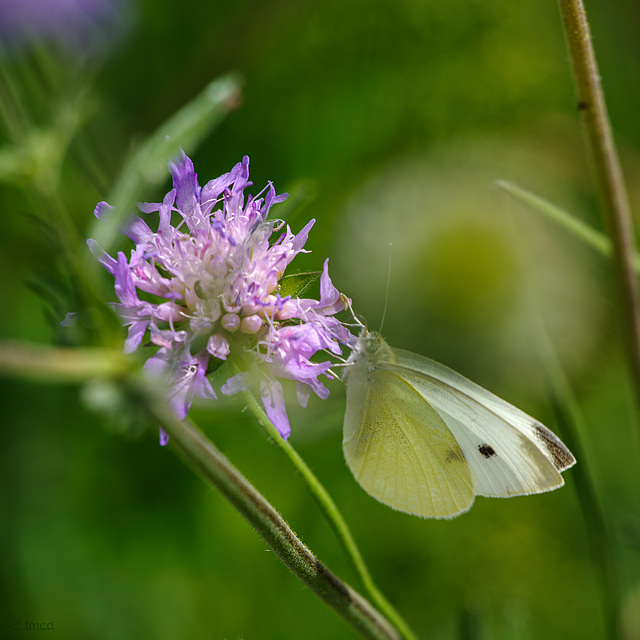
[[386, 294]]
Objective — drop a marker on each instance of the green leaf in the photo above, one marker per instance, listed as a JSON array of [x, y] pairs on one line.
[[295, 284]]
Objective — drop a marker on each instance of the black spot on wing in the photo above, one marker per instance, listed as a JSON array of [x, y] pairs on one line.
[[559, 454], [486, 450]]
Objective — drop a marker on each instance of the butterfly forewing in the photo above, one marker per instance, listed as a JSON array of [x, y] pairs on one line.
[[508, 452], [399, 448], [542, 437]]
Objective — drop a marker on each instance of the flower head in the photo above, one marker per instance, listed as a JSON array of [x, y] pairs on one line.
[[215, 281]]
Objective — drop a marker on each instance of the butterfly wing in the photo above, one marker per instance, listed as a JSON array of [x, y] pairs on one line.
[[400, 450], [508, 452]]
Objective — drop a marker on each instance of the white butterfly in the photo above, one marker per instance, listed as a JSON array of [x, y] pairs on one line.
[[425, 440]]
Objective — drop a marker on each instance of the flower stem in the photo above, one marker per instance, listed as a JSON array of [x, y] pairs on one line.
[[334, 517], [606, 167], [42, 363], [50, 364], [210, 463]]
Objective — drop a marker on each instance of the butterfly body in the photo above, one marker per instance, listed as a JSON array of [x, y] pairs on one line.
[[425, 440]]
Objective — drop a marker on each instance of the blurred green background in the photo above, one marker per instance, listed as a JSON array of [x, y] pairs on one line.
[[393, 119]]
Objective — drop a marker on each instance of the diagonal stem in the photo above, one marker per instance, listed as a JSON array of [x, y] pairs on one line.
[[216, 469], [50, 364]]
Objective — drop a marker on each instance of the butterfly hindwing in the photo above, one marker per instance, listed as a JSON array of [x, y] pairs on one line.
[[400, 450]]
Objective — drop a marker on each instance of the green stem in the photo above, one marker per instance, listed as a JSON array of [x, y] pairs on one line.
[[210, 463], [334, 517], [60, 364], [606, 167]]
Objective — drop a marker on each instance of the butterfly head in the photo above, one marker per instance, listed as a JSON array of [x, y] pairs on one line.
[[369, 342], [370, 350]]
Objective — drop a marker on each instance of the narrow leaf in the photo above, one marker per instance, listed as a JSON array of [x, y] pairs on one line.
[[587, 234]]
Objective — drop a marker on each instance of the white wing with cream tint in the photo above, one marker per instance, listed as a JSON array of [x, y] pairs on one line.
[[425, 440]]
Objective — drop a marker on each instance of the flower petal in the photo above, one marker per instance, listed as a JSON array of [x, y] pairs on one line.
[[185, 182], [218, 346], [242, 381], [138, 230], [124, 286], [272, 395], [330, 300], [102, 209], [102, 256], [136, 333]]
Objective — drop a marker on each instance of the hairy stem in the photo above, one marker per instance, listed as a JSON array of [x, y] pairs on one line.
[[52, 364], [216, 469], [42, 363]]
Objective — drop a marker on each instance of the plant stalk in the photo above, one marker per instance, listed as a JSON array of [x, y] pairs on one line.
[[214, 467], [607, 171]]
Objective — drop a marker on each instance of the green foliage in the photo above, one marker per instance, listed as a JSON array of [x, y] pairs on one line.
[[296, 284]]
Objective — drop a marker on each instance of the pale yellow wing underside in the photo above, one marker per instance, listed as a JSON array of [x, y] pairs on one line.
[[400, 450]]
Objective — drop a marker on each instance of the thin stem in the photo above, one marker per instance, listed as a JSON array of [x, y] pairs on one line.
[[210, 463], [606, 167], [334, 517]]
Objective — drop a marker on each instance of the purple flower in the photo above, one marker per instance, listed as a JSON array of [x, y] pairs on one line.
[[212, 270]]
